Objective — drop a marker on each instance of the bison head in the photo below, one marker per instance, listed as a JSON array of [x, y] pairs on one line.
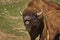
[[30, 20]]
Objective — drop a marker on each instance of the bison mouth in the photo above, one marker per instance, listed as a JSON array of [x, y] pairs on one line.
[[27, 25]]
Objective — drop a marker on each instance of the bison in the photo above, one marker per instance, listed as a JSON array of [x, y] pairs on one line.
[[33, 23]]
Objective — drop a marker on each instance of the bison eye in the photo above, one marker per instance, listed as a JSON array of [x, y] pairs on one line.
[[27, 17]]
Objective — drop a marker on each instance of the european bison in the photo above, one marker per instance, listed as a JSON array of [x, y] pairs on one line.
[[32, 23]]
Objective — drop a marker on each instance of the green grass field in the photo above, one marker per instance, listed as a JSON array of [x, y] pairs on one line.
[[10, 19]]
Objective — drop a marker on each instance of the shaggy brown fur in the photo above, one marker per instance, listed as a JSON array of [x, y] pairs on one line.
[[37, 5], [53, 23]]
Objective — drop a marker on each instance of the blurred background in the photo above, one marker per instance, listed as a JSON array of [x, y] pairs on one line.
[[11, 22]]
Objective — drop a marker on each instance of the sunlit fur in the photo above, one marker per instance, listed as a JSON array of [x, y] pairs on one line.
[[53, 23], [37, 5]]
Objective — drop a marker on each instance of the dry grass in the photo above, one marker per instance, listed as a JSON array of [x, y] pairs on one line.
[[4, 36]]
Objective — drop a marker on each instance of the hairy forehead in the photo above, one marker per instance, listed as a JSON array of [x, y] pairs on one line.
[[29, 13]]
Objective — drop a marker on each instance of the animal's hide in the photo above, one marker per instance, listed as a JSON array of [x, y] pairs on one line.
[[35, 7], [52, 22]]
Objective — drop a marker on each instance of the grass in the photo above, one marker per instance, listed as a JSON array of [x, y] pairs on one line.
[[10, 17]]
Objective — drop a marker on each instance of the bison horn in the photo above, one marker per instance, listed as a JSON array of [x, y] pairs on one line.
[[42, 10], [20, 11]]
